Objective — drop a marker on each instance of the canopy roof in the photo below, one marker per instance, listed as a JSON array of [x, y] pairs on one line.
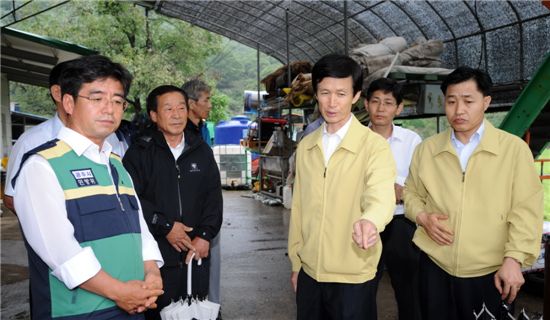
[[507, 38], [29, 58]]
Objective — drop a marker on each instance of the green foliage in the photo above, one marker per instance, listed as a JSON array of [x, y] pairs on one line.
[[427, 127], [495, 118], [235, 69], [32, 99], [155, 49], [220, 103], [545, 183]]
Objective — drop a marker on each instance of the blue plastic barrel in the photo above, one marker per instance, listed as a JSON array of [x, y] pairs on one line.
[[231, 131]]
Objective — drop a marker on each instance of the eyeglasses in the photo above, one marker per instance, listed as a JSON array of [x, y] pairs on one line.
[[101, 100], [385, 104]]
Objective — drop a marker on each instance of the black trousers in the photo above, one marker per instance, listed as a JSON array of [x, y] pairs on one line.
[[400, 256], [334, 301], [174, 282], [445, 297]]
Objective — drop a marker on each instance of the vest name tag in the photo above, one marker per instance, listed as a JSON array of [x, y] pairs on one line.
[[84, 177]]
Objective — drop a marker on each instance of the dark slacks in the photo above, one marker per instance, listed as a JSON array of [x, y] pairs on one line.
[[400, 256], [334, 301], [443, 296], [174, 282]]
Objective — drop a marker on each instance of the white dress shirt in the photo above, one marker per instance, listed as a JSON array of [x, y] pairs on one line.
[[40, 205], [331, 141], [464, 151], [38, 135], [29, 140], [402, 143], [177, 150], [118, 146]]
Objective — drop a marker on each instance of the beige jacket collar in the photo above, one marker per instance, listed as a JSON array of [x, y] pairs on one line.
[[351, 142], [489, 141]]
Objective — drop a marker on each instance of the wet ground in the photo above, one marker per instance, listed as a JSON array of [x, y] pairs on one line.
[[255, 268]]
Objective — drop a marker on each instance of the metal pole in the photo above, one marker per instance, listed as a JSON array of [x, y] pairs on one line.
[[14, 9], [258, 72], [35, 14], [346, 27], [289, 80], [259, 108], [287, 49]]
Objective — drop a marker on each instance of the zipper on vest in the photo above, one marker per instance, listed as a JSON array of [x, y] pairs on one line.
[[115, 179], [325, 173], [118, 196], [463, 175], [120, 203], [179, 191]]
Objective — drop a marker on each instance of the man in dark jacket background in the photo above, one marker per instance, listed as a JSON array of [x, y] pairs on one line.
[[198, 93], [178, 183]]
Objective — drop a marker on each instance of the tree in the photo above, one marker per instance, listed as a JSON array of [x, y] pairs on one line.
[[156, 50], [220, 103], [32, 99], [235, 69]]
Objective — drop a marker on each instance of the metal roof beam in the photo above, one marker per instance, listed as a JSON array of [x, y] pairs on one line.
[[266, 12], [520, 27], [14, 10], [231, 32], [277, 27], [483, 33], [346, 17], [321, 27], [412, 20], [448, 28], [24, 66], [357, 13], [22, 54], [499, 27], [207, 21], [23, 77], [384, 21], [36, 13]]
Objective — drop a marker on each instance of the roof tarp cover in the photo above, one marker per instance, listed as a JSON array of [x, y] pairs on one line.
[[507, 38]]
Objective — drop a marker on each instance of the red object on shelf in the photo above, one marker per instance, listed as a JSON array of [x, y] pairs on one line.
[[274, 120], [268, 125]]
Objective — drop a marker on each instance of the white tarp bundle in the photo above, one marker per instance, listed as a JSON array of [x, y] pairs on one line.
[[422, 53]]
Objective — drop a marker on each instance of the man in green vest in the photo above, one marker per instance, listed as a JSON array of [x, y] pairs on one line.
[[90, 252]]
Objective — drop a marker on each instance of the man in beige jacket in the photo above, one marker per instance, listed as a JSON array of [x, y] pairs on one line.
[[343, 197], [477, 200]]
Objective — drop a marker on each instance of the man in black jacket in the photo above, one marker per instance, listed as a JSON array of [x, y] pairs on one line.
[[198, 93], [178, 183]]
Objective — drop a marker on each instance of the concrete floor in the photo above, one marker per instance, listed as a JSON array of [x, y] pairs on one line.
[[255, 268]]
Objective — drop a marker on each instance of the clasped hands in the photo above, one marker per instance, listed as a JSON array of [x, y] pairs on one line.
[[180, 241], [138, 296]]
